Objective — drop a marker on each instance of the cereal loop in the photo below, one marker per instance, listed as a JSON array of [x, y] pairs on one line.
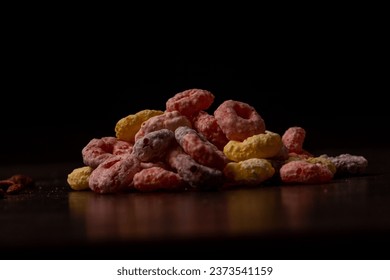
[[168, 120], [98, 150], [293, 139], [238, 120], [324, 161], [199, 148], [250, 171], [156, 178], [115, 174], [265, 145], [78, 179], [207, 125], [127, 127], [300, 171], [347, 164], [190, 102], [153, 146], [198, 176]]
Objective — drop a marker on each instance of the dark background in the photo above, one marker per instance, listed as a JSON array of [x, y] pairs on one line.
[[64, 87]]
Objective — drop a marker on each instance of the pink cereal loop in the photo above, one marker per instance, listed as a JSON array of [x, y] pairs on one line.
[[293, 139], [238, 120], [190, 101], [115, 174], [99, 149]]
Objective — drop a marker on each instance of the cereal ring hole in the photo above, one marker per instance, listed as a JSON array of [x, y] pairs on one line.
[[242, 112], [193, 168]]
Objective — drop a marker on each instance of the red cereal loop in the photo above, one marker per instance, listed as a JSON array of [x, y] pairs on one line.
[[115, 174], [293, 139], [98, 150], [207, 125], [199, 148], [157, 178], [190, 101], [300, 171], [238, 120]]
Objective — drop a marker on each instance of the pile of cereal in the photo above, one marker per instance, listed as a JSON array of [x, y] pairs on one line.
[[186, 148]]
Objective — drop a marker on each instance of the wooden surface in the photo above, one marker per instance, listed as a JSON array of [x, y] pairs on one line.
[[348, 218]]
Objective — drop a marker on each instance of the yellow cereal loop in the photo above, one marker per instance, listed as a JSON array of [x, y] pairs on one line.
[[127, 127], [264, 145], [78, 178], [324, 161], [250, 171]]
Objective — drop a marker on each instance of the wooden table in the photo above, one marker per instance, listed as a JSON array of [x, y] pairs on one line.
[[348, 218]]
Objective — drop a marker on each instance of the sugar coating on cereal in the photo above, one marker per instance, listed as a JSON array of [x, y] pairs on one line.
[[78, 179], [186, 147], [264, 145], [199, 148], [304, 172], [127, 127], [98, 150], [168, 120], [153, 146], [239, 120], [208, 126], [190, 102], [347, 164], [250, 171]]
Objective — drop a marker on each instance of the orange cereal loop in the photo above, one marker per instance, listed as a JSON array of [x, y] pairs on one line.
[[190, 102], [238, 120]]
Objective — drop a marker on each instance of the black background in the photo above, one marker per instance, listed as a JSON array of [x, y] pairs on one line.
[[64, 86]]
